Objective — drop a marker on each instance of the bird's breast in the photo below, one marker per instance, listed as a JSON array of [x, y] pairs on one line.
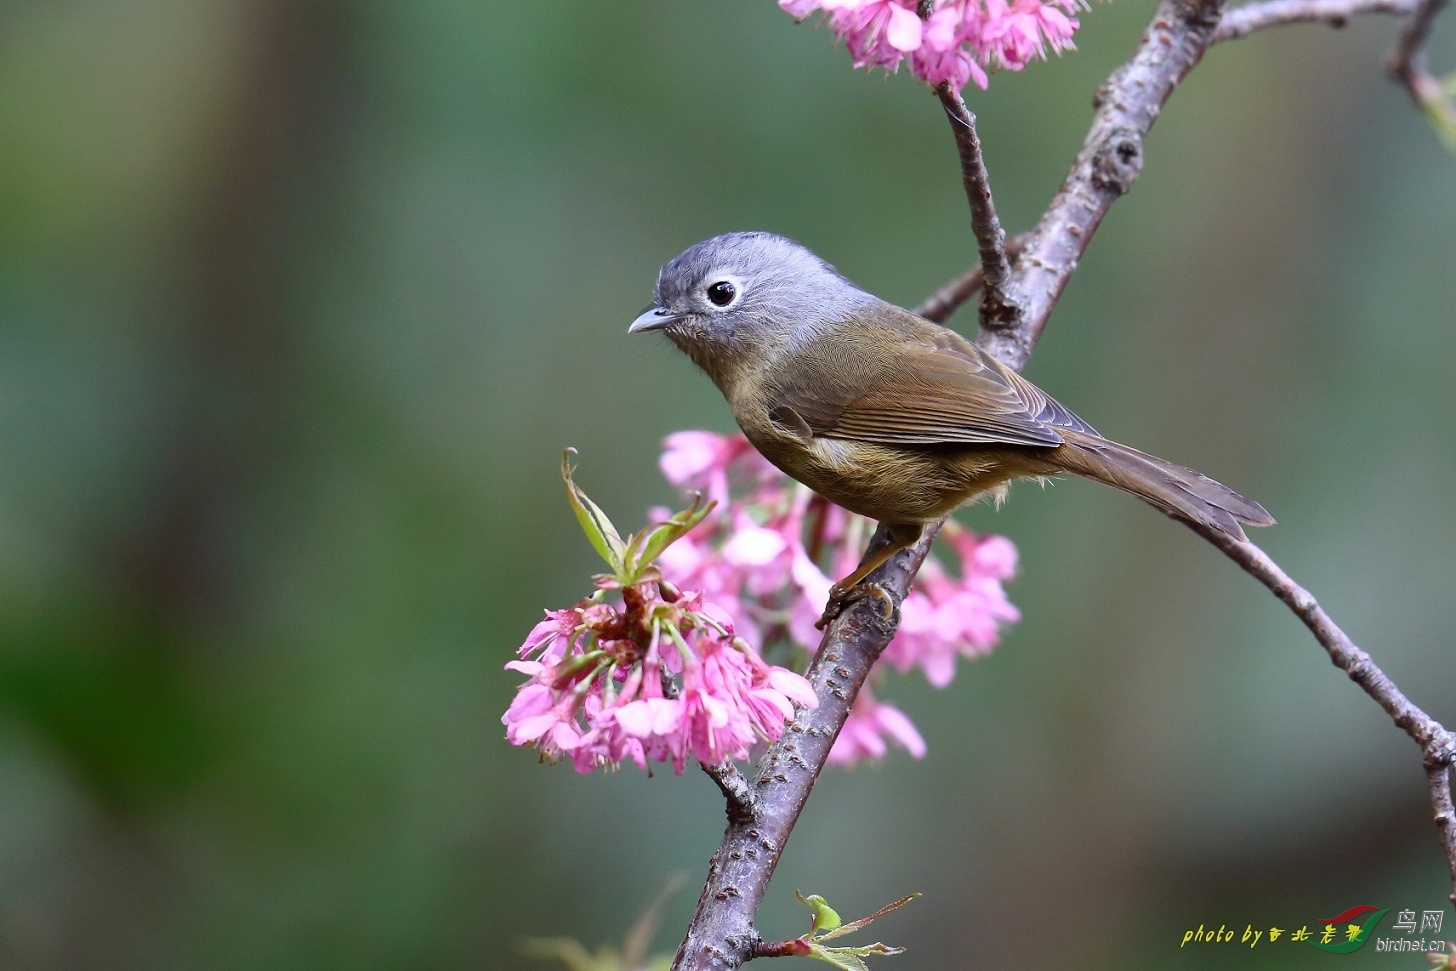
[[886, 483]]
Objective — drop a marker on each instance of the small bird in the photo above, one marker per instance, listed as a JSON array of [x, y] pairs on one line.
[[886, 413]]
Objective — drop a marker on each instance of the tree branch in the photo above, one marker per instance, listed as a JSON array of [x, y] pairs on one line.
[[1111, 156], [722, 934], [998, 311], [948, 299], [1410, 51], [1438, 779], [1438, 747], [1105, 169], [1407, 65], [1243, 20], [743, 802]]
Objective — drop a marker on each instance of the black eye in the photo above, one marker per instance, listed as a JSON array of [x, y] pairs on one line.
[[722, 293]]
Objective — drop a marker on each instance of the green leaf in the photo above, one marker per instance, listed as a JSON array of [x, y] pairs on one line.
[[827, 925], [647, 545], [849, 958], [837, 957], [853, 926], [599, 530], [825, 917]]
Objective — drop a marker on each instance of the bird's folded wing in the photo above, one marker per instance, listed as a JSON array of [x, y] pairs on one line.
[[940, 389]]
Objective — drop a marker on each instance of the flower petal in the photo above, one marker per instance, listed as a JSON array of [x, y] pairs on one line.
[[904, 29]]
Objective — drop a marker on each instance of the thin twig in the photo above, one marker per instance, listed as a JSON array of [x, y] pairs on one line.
[[1243, 20], [1438, 779], [948, 299], [1111, 156], [1410, 49], [1438, 747], [1106, 167], [1407, 65], [742, 800], [999, 310]]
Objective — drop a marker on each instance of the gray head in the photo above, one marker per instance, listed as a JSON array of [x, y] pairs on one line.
[[742, 291]]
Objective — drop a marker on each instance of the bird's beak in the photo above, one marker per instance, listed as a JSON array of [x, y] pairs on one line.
[[653, 318]]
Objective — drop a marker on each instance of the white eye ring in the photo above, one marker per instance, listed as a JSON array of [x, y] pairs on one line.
[[723, 292]]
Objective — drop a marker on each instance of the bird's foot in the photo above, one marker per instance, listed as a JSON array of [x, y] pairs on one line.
[[841, 596]]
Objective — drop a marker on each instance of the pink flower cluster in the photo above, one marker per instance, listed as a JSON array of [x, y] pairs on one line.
[[749, 555], [946, 617], [957, 43], [759, 556], [658, 676], [865, 731]]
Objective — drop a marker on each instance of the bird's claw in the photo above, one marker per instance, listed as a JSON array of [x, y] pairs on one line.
[[841, 597]]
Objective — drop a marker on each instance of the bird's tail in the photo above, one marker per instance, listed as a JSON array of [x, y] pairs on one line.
[[1179, 492]]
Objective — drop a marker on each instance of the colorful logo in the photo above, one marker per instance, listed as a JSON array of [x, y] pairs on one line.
[[1344, 933], [1352, 936]]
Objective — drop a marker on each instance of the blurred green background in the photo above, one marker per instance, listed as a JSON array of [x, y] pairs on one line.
[[300, 300]]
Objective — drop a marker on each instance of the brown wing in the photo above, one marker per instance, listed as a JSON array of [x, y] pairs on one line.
[[934, 388]]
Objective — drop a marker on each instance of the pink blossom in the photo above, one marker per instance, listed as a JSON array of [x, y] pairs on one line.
[[750, 555], [552, 635], [871, 723], [753, 546], [959, 41], [702, 461], [535, 717], [799, 9], [768, 555], [728, 700], [879, 32], [669, 673], [945, 617], [943, 57], [596, 689], [756, 556], [1016, 32]]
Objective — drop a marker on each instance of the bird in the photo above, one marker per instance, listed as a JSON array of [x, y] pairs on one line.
[[883, 412]]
